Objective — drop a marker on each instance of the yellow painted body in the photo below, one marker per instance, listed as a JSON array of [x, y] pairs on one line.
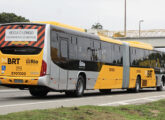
[[148, 78], [61, 25], [140, 45], [23, 69], [26, 80], [110, 40], [109, 77]]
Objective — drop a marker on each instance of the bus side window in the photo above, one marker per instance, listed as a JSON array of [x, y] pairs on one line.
[[64, 48], [55, 52], [84, 48], [97, 51], [106, 52], [158, 57], [118, 55], [113, 56], [121, 54], [73, 48], [133, 56]]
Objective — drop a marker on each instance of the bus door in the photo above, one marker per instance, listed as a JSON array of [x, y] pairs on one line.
[[63, 72]]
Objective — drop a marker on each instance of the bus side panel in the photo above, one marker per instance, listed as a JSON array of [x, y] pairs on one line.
[[72, 80], [110, 77], [63, 79], [148, 78], [91, 78], [54, 76], [59, 78]]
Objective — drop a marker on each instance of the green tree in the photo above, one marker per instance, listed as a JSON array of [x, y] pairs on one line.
[[118, 34], [97, 26], [11, 17]]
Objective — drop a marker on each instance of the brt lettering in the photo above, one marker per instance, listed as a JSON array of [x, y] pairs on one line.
[[13, 60]]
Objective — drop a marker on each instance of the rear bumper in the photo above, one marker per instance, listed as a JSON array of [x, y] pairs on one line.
[[44, 81], [6, 80]]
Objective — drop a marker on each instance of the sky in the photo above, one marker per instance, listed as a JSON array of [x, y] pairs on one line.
[[85, 13]]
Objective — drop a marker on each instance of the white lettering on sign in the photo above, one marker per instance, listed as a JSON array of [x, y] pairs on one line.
[[21, 35]]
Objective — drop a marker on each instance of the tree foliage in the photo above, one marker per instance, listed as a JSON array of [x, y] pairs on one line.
[[118, 34], [97, 26], [11, 17]]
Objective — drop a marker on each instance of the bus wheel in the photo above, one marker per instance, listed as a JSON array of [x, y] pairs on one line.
[[161, 87], [138, 85], [80, 87], [38, 91], [106, 91]]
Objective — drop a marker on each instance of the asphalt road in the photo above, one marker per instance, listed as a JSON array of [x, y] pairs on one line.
[[17, 100]]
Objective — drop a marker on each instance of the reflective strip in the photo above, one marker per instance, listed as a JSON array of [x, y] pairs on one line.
[[40, 37]]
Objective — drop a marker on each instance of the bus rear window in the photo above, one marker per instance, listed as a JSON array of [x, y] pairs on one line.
[[26, 50], [29, 36]]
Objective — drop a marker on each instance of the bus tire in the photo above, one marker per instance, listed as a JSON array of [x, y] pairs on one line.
[[161, 87], [79, 87], [38, 91], [106, 91], [138, 85]]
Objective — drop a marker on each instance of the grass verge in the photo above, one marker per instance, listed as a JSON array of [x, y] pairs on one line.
[[149, 111]]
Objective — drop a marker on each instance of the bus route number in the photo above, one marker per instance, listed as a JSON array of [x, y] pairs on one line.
[[149, 73]]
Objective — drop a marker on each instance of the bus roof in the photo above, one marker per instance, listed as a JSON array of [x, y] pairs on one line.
[[140, 45], [132, 43], [61, 25], [110, 40], [77, 29]]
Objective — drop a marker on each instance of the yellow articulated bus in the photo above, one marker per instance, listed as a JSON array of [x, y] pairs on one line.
[[50, 56]]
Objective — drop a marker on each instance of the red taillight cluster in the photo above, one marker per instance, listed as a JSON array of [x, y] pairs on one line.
[[43, 68]]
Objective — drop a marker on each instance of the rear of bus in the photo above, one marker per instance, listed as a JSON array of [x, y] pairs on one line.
[[21, 54]]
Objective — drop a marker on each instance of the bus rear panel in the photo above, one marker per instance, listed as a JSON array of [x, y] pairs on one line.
[[21, 51]]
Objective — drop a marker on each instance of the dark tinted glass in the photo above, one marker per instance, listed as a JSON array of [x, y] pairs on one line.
[[84, 49], [25, 50]]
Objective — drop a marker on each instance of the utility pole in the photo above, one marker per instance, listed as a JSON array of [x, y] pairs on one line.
[[125, 18], [140, 21]]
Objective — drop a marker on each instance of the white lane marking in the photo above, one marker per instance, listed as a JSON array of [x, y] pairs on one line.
[[13, 105], [151, 99], [125, 102], [52, 101], [75, 99], [122, 103], [12, 90]]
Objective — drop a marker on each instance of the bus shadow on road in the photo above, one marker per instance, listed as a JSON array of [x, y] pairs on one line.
[[87, 94]]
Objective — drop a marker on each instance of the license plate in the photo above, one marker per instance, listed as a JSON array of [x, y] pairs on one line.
[[18, 81]]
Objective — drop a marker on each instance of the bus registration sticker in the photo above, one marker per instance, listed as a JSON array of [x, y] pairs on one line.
[[3, 68], [21, 35]]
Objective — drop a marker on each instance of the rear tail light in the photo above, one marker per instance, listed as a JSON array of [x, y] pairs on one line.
[[43, 68]]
